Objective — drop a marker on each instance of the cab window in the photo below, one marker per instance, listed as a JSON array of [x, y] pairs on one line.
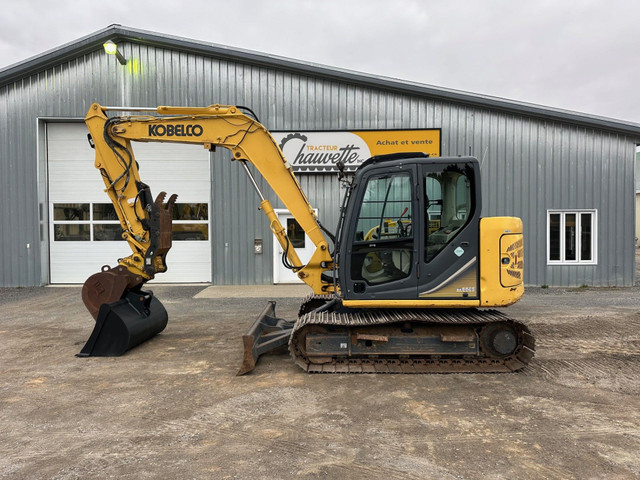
[[383, 244], [448, 205]]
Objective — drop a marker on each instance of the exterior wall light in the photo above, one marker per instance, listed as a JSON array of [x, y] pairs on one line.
[[112, 49]]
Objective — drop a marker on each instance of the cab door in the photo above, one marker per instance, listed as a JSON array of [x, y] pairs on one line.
[[381, 254], [448, 266]]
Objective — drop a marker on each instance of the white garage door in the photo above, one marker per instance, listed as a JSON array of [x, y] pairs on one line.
[[84, 231]]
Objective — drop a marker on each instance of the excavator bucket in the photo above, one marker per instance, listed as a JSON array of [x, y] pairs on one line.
[[125, 323], [125, 315], [266, 334]]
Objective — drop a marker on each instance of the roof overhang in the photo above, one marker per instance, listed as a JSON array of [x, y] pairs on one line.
[[94, 41]]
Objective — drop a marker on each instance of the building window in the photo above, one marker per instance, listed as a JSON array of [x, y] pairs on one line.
[[571, 237]]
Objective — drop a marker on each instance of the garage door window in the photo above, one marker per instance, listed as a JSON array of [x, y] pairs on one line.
[[98, 222], [106, 226], [571, 237], [85, 222], [71, 222], [190, 221]]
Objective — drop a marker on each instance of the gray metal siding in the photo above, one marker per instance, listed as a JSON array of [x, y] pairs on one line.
[[529, 164], [236, 221], [19, 265]]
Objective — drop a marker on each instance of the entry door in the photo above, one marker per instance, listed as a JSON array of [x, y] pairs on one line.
[[299, 240], [382, 255]]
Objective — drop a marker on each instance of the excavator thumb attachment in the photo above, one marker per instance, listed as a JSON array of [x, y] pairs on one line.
[[266, 334], [125, 323]]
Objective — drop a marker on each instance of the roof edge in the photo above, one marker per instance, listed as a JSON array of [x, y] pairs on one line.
[[57, 55], [116, 32]]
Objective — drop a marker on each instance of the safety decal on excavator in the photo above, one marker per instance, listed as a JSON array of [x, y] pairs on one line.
[[515, 251], [515, 274]]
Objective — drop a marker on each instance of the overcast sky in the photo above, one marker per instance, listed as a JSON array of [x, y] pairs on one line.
[[580, 55]]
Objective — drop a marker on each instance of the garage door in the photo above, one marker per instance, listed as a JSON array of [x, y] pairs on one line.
[[84, 230]]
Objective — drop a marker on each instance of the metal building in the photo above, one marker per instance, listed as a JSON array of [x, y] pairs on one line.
[[569, 176]]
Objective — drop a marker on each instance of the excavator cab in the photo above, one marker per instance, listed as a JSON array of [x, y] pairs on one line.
[[411, 230]]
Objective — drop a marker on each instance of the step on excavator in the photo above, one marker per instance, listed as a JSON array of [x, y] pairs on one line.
[[408, 282]]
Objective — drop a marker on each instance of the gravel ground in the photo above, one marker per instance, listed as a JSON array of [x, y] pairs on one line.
[[173, 407]]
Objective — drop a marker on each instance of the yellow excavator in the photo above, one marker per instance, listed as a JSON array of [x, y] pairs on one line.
[[403, 285]]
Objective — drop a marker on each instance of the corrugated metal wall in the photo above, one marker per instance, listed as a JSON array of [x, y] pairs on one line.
[[529, 165]]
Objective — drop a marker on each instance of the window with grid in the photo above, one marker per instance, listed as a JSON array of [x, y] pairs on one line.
[[572, 237], [94, 222]]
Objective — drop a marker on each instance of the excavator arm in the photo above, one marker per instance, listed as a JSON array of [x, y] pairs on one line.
[[146, 222], [214, 126]]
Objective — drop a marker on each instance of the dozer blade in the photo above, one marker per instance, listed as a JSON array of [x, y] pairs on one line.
[[125, 323], [266, 334]]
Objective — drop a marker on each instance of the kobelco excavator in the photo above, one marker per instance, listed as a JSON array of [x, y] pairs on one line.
[[402, 286]]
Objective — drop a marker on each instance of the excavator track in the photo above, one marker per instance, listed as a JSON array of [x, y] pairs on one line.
[[313, 302], [336, 340]]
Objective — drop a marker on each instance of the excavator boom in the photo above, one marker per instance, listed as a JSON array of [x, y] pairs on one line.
[[211, 127]]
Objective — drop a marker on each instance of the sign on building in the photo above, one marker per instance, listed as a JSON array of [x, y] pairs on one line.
[[320, 151]]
